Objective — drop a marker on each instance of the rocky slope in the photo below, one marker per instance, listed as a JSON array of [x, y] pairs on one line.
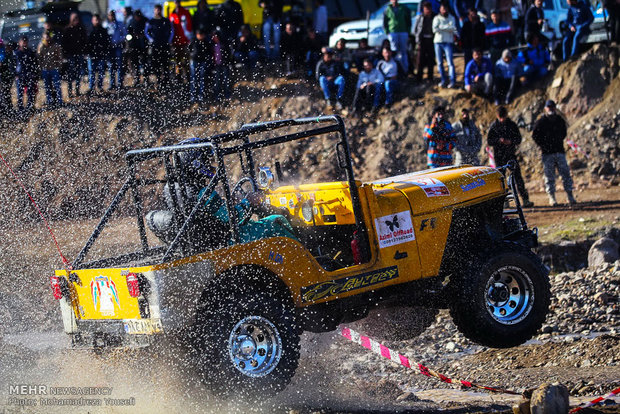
[[72, 158]]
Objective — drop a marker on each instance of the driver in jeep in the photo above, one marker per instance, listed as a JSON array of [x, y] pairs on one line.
[[211, 227]]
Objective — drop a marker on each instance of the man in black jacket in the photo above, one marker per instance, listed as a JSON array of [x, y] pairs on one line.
[[159, 33], [549, 134], [74, 42], [330, 74], [472, 35], [98, 52], [230, 19], [504, 137]]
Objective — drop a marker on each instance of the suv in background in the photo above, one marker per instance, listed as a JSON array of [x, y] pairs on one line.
[[372, 28], [30, 22], [555, 15]]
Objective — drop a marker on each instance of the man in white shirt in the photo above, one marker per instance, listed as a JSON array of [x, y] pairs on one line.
[[369, 85], [444, 28]]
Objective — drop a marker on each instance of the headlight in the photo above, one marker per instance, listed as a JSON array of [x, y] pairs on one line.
[[265, 178], [377, 31], [306, 210]]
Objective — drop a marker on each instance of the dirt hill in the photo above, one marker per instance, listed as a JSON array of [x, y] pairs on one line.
[[72, 158]]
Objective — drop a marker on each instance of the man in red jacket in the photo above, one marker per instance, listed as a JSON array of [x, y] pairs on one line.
[[181, 21]]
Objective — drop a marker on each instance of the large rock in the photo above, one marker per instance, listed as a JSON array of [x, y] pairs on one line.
[[604, 250], [550, 399]]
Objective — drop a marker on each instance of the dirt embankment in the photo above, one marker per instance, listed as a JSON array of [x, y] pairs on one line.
[[72, 158]]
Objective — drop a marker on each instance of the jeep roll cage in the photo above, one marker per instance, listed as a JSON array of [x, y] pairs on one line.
[[240, 142]]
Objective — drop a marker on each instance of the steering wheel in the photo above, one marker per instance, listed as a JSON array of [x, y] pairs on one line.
[[238, 193]]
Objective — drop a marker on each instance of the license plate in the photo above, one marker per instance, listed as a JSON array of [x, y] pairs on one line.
[[142, 326]]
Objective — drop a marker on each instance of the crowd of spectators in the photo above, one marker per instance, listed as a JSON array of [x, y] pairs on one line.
[[199, 51]]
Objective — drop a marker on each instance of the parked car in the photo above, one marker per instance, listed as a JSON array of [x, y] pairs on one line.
[[555, 25], [30, 22], [372, 28]]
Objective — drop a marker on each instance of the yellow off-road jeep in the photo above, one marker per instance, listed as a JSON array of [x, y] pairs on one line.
[[242, 288]]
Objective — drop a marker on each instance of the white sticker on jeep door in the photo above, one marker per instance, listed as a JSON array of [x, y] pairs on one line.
[[394, 229]]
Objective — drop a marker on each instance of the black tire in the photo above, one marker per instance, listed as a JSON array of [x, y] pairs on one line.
[[243, 313], [397, 323], [503, 300]]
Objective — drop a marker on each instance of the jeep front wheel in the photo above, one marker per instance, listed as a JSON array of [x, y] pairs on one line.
[[503, 300]]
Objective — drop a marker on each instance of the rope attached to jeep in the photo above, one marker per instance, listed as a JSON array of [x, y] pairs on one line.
[[394, 356], [65, 262]]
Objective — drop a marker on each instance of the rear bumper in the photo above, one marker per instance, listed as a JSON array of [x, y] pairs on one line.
[[128, 333]]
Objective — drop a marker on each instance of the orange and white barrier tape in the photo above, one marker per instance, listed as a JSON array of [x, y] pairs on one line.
[[489, 151], [576, 148], [394, 356], [596, 401]]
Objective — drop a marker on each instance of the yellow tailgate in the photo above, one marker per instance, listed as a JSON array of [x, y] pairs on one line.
[[102, 294]]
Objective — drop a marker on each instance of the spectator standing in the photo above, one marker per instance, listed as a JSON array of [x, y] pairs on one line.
[[549, 134], [368, 87], [54, 33], [136, 47], [472, 35], [504, 9], [330, 74], [468, 140], [312, 48], [74, 45], [397, 26], [506, 81], [290, 47], [50, 61], [98, 52], [181, 21], [499, 36], [479, 74], [245, 49], [159, 33], [272, 14], [319, 21], [127, 15], [535, 60], [423, 32], [578, 20], [444, 28], [27, 74], [390, 69], [230, 19], [613, 9], [534, 19], [7, 77], [504, 137], [440, 139], [204, 19], [118, 34], [220, 74], [200, 62]]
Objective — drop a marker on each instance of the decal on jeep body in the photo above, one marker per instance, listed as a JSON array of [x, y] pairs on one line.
[[394, 229], [346, 284]]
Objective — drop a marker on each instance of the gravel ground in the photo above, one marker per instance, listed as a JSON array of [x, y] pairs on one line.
[[579, 346]]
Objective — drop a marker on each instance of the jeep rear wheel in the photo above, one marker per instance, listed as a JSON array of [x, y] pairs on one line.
[[249, 343], [503, 300]]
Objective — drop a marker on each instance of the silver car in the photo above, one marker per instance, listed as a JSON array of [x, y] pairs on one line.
[[372, 28]]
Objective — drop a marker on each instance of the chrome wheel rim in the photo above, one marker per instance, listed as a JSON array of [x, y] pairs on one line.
[[509, 295], [255, 346]]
